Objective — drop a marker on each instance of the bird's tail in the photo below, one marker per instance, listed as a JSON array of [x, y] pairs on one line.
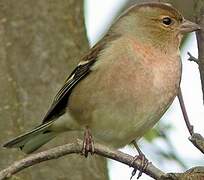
[[32, 140]]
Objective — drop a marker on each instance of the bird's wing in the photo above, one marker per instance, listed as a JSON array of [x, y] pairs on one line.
[[60, 101]]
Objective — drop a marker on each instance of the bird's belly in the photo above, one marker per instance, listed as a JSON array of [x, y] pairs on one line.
[[118, 126], [122, 107]]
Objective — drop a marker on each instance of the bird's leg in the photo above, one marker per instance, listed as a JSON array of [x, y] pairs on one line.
[[88, 143], [143, 159]]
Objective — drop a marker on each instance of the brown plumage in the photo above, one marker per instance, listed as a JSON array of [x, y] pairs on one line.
[[124, 84]]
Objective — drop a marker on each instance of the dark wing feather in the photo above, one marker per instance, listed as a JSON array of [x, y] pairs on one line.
[[60, 102]]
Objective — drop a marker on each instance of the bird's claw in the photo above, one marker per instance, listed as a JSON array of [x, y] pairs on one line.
[[88, 143], [143, 165]]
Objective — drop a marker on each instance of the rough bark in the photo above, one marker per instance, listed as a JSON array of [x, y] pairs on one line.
[[71, 148], [40, 43]]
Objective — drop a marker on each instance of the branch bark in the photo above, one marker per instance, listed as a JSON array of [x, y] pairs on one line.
[[196, 173], [71, 148]]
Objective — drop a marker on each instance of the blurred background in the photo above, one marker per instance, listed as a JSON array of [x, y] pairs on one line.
[[167, 145]]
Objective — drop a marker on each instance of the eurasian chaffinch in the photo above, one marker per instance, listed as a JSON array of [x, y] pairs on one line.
[[123, 85]]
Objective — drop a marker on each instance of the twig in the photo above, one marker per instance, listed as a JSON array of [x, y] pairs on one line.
[[195, 173], [196, 139], [200, 41], [192, 58], [71, 148], [185, 115]]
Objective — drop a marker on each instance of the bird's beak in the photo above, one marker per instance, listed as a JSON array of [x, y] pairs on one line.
[[188, 26]]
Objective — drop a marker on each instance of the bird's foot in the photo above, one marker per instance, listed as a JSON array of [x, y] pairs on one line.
[[88, 143], [144, 163]]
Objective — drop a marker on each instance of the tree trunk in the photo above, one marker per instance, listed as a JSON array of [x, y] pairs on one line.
[[40, 43]]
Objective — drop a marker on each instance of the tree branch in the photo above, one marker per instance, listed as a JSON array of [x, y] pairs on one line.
[[192, 58], [75, 148], [200, 41], [184, 112], [196, 139], [71, 148]]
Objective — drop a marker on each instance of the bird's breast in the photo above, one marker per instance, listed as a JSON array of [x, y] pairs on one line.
[[124, 97]]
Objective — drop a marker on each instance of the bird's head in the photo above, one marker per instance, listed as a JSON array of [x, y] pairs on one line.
[[157, 23]]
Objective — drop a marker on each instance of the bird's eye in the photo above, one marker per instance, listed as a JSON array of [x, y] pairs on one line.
[[167, 21]]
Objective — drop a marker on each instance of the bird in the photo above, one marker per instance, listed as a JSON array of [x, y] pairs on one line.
[[122, 85]]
